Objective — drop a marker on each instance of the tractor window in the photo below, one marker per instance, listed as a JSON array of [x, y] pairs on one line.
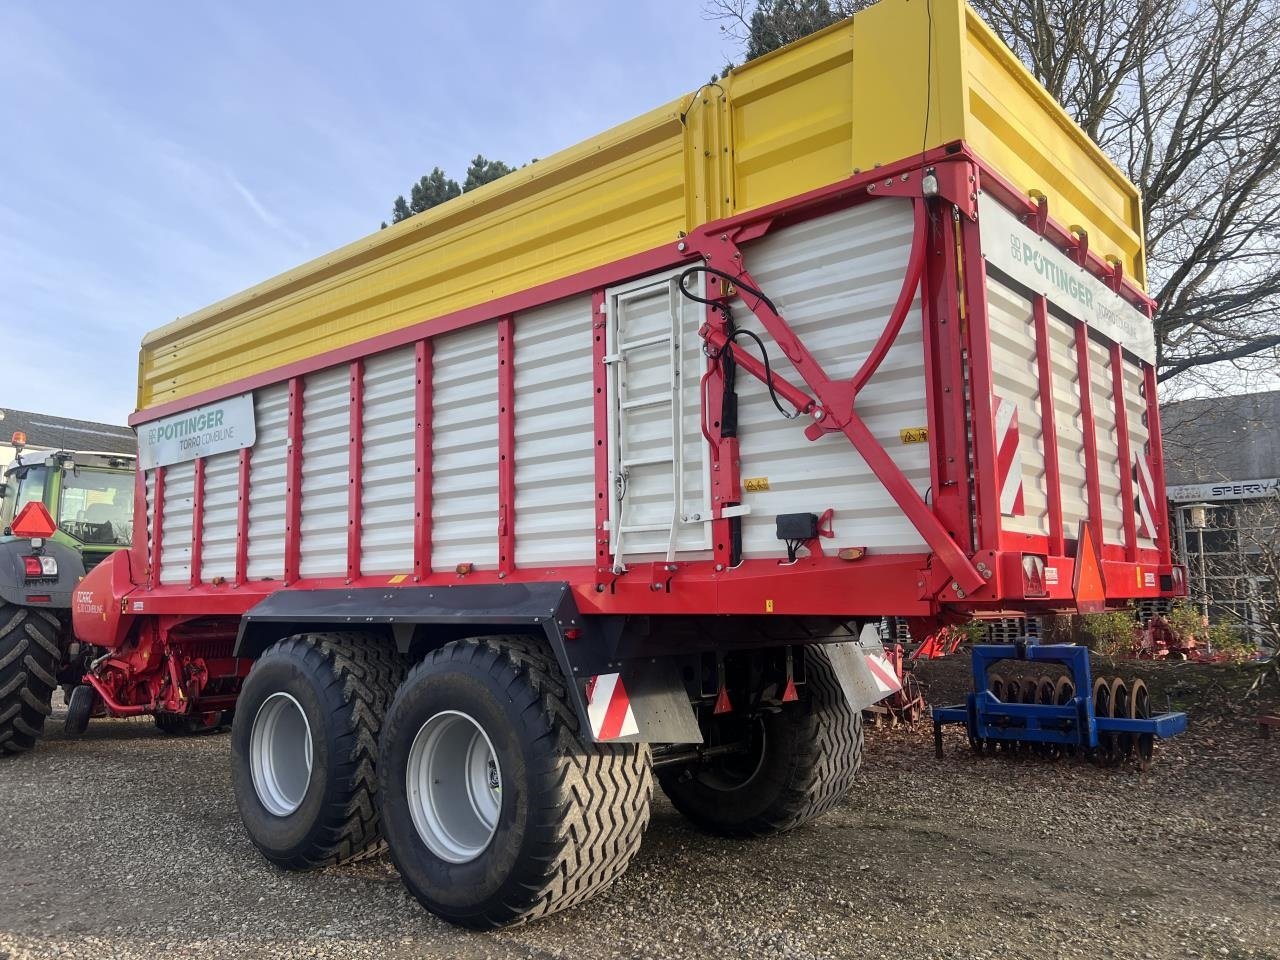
[[97, 507], [30, 487]]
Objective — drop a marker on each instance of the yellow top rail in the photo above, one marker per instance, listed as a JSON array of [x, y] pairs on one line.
[[896, 79]]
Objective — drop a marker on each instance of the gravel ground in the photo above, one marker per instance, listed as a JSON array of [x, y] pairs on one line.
[[127, 844]]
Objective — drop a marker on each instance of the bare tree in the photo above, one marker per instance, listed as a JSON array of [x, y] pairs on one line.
[[1182, 94]]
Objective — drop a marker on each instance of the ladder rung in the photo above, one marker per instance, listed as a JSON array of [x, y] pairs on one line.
[[650, 402], [646, 461], [645, 528], [645, 342]]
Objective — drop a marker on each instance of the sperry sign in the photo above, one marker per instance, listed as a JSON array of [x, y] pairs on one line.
[[219, 427], [1027, 258], [1225, 490]]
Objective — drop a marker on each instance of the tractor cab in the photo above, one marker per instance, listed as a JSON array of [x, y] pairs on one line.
[[88, 495]]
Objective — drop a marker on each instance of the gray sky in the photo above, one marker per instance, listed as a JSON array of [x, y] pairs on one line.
[[159, 156]]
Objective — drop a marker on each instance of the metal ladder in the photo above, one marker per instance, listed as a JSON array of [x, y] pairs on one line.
[[671, 398]]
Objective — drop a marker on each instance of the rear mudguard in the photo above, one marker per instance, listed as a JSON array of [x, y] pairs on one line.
[[16, 589]]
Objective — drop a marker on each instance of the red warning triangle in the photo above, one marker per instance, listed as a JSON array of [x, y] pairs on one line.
[[789, 691], [722, 702], [1088, 586], [33, 522]]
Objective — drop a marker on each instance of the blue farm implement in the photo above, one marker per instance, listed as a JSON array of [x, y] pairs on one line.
[[1106, 718]]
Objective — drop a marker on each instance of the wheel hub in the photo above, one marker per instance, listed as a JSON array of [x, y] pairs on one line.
[[280, 754], [453, 784]]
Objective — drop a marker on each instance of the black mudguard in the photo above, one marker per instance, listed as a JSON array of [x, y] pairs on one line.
[[15, 587]]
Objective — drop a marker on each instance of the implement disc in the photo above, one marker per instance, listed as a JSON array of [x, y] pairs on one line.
[[1063, 691], [1105, 754], [1120, 708], [1140, 709]]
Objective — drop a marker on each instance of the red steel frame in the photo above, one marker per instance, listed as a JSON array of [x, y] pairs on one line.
[[197, 523], [506, 446], [422, 413], [355, 459], [974, 564]]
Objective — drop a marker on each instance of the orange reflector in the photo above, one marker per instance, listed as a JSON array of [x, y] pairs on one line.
[[464, 568], [722, 702], [1091, 593], [852, 553], [789, 691], [33, 522]]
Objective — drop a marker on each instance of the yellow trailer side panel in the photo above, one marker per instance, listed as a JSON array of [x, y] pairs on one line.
[[896, 79]]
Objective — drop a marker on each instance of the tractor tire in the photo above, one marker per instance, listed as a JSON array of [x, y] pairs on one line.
[[304, 745], [496, 808], [800, 762], [30, 651]]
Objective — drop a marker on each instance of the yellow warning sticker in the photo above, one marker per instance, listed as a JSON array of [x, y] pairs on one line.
[[768, 606], [914, 435], [399, 578], [755, 484]]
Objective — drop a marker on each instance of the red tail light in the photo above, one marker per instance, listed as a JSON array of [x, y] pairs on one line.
[[36, 567]]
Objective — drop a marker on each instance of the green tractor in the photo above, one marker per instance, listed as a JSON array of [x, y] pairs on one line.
[[61, 514]]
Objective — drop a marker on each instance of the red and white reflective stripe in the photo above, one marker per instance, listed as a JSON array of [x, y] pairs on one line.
[[883, 674], [1009, 458], [609, 708], [1144, 493]]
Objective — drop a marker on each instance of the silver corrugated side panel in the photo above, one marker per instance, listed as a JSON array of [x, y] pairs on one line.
[[1104, 419], [326, 450], [221, 499], [835, 279], [387, 463], [1139, 434], [464, 482], [267, 483], [1016, 377], [175, 524], [1069, 423], [554, 434]]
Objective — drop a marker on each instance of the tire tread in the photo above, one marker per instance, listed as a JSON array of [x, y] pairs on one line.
[[30, 652], [589, 825]]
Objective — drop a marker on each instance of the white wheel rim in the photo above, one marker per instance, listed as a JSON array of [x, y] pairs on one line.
[[454, 786], [280, 754]]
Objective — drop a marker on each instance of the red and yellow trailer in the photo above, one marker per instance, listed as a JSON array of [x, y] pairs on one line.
[[598, 472]]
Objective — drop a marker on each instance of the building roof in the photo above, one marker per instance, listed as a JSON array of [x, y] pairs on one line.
[[1222, 438], [63, 433]]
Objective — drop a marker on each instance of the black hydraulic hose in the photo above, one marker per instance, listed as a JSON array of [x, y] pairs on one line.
[[733, 334]]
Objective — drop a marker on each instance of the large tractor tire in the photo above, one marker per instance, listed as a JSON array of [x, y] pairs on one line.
[[799, 762], [30, 652], [496, 808], [304, 745]]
